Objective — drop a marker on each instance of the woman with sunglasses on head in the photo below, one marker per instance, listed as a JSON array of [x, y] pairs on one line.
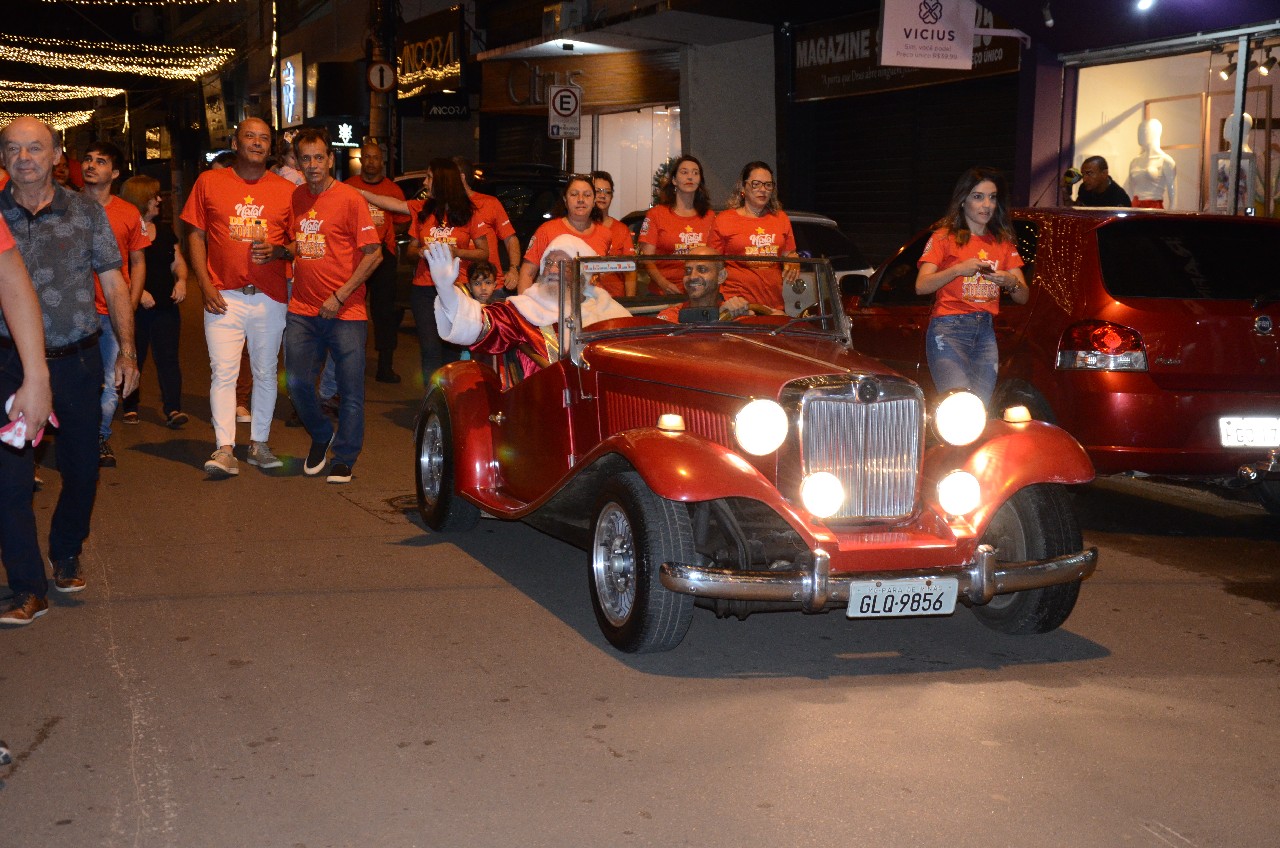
[[582, 219], [681, 221], [969, 260], [615, 283], [755, 225], [158, 321]]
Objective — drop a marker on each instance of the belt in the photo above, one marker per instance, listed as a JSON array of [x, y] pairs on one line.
[[87, 342], [247, 289]]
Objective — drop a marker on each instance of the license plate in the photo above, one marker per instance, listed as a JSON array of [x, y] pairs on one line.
[[1250, 432], [908, 596]]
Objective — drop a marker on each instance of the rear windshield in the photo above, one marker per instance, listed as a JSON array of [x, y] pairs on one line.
[[1202, 258]]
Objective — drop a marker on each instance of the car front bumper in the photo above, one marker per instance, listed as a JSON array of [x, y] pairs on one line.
[[815, 588]]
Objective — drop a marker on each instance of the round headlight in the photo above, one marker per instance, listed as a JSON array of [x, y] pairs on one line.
[[960, 418], [959, 493], [760, 426], [822, 494]]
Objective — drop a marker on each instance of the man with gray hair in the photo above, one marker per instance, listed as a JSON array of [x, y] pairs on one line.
[[64, 238]]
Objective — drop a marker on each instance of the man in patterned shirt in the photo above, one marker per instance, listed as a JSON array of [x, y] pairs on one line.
[[64, 239]]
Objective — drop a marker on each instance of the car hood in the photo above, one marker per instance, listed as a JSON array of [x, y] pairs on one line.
[[729, 363]]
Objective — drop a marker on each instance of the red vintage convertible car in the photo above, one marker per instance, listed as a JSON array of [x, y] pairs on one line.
[[755, 464]]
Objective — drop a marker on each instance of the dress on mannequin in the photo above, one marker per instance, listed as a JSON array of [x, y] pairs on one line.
[[1248, 164], [1152, 173]]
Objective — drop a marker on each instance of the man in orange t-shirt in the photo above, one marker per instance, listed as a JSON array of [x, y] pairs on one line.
[[337, 248], [381, 287], [101, 168], [232, 211]]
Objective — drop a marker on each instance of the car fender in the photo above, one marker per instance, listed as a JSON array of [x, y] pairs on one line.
[[1009, 457], [471, 393], [687, 468]]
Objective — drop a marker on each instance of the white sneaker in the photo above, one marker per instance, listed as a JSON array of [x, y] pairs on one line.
[[243, 416], [260, 455], [222, 464]]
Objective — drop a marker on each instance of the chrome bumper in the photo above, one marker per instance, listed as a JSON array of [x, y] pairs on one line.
[[815, 589]]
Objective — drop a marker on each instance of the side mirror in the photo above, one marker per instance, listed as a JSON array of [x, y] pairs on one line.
[[854, 286]]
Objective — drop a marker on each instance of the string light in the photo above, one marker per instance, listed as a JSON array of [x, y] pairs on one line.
[[179, 63], [140, 2], [23, 92], [58, 120]]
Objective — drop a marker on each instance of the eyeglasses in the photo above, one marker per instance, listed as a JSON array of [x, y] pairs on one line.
[[607, 192], [759, 184]]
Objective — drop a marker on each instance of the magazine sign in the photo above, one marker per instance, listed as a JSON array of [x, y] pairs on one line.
[[841, 57], [927, 33]]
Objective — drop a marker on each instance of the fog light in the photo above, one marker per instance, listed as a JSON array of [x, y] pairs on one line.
[[1017, 415], [760, 427], [960, 418], [959, 493], [822, 494]]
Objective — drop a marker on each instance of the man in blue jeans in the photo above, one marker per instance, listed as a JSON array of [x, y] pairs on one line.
[[336, 247], [64, 238]]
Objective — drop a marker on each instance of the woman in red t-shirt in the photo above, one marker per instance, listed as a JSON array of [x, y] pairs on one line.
[[582, 219], [969, 260], [755, 225], [616, 283], [681, 221]]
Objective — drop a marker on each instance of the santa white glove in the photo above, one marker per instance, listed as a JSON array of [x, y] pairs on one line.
[[444, 272]]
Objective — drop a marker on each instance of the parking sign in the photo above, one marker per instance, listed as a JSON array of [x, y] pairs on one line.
[[564, 112]]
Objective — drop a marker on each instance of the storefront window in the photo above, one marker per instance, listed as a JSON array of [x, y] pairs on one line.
[[631, 146]]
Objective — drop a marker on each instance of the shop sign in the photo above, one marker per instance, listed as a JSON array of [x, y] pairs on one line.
[[291, 99], [608, 79], [446, 107], [838, 58], [927, 33], [429, 54]]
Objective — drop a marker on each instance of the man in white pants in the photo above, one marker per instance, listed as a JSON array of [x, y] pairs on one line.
[[231, 210]]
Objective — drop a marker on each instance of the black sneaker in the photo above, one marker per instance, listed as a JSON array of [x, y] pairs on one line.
[[106, 459], [339, 472], [317, 458], [66, 575]]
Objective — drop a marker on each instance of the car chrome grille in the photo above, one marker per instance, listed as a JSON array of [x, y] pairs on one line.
[[873, 448]]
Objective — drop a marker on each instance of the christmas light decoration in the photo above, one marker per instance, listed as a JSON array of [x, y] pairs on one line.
[[179, 63], [58, 120], [33, 92], [141, 2]]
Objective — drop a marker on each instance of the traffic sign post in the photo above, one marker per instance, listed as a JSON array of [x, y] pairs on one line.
[[564, 112], [381, 77]]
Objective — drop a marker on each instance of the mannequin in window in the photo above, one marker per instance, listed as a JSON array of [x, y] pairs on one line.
[[1152, 173], [1248, 162]]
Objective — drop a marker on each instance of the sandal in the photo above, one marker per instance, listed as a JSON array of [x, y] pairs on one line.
[[129, 418], [175, 419]]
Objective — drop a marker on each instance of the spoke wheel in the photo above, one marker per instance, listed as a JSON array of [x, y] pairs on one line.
[[438, 502], [635, 532]]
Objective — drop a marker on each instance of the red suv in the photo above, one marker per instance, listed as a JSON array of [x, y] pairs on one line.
[[1149, 336]]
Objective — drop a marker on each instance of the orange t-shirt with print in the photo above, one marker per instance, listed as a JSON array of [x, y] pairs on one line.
[[498, 222], [131, 234], [455, 236], [385, 221], [6, 237], [968, 294], [742, 235], [331, 229], [233, 213], [672, 233], [614, 282], [597, 236]]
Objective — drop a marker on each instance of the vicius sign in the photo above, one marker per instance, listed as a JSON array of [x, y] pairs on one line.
[[927, 33]]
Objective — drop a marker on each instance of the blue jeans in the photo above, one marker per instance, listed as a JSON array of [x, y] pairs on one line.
[[110, 349], [433, 351], [307, 340], [328, 379], [962, 354]]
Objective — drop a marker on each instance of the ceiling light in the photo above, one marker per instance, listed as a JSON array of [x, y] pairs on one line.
[[1145, 5], [1229, 68], [1265, 67], [1048, 15]]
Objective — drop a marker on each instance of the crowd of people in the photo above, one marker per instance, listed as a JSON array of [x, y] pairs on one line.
[[286, 257]]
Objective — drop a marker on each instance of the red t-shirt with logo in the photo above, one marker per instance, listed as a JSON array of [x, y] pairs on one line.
[[131, 234], [741, 235], [385, 221], [599, 237], [331, 229], [672, 233], [455, 236], [620, 244], [233, 212], [968, 294], [495, 217]]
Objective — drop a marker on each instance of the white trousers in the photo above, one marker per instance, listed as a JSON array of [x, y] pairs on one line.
[[258, 320]]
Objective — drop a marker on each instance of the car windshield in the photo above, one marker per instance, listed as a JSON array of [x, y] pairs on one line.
[[1190, 259], [792, 296], [821, 239]]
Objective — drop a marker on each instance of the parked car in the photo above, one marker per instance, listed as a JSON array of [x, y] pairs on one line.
[[816, 236], [1149, 336], [755, 464]]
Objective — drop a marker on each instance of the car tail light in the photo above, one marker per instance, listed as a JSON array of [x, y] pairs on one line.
[[1101, 346]]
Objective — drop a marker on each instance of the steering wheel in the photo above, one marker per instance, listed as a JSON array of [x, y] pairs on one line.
[[752, 308]]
